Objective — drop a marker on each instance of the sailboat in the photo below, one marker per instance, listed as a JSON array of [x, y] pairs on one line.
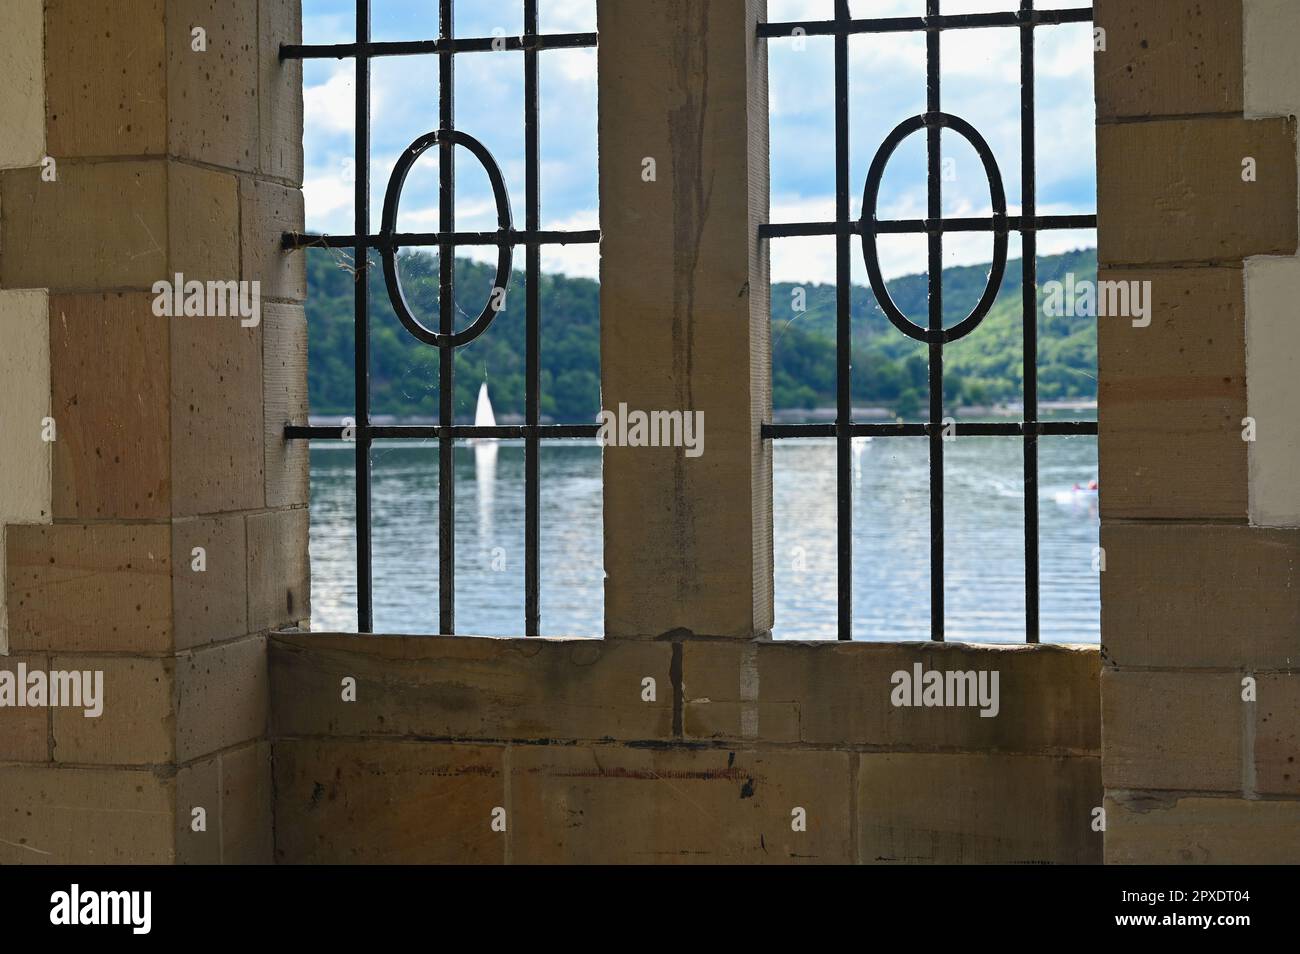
[[485, 462], [483, 416]]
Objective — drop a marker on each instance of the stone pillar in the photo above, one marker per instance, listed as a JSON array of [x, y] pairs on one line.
[[24, 331], [175, 535], [685, 314], [1200, 614]]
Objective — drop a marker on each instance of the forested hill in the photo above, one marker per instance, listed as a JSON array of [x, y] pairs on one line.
[[889, 369]]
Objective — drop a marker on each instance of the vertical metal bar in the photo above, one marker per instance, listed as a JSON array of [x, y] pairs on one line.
[[843, 326], [532, 494], [935, 201], [446, 320], [361, 333], [1029, 262]]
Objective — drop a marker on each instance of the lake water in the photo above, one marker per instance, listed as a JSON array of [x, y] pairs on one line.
[[984, 563]]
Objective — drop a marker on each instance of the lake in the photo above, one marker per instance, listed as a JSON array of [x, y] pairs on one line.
[[984, 563]]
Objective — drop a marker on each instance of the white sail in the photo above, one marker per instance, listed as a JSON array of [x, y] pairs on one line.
[[485, 465], [483, 416]]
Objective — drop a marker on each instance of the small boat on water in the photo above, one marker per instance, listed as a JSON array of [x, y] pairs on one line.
[[1079, 493], [483, 414], [485, 464]]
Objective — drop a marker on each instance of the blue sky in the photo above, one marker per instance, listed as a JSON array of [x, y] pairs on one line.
[[980, 80]]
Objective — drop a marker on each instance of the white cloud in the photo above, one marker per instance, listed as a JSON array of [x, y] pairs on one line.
[[330, 107], [798, 208], [470, 216], [567, 16], [328, 27], [330, 199], [1064, 52], [573, 66]]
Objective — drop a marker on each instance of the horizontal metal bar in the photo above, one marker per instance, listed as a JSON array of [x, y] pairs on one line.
[[799, 430], [481, 44], [952, 21], [295, 240], [433, 431], [1014, 223], [919, 429]]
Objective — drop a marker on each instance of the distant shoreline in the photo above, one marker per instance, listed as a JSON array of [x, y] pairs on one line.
[[826, 414], [780, 416]]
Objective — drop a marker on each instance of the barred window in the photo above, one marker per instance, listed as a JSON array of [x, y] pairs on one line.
[[453, 317], [934, 161]]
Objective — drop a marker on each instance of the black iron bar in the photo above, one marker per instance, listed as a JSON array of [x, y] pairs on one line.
[[843, 328], [934, 210], [297, 240], [532, 279], [930, 22], [1029, 309], [336, 432], [1014, 223], [447, 323], [481, 44], [959, 429], [775, 431], [361, 332]]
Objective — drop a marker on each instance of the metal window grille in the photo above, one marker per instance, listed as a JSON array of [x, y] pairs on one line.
[[868, 229], [447, 337]]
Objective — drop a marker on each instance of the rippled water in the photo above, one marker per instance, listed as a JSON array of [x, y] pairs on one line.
[[983, 567]]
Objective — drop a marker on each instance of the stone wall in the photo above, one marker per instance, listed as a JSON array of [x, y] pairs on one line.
[[174, 536], [1200, 623], [585, 761]]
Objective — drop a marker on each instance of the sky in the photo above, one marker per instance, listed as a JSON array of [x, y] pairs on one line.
[[980, 82]]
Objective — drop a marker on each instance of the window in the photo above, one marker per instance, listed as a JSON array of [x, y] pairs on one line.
[[937, 333], [451, 141]]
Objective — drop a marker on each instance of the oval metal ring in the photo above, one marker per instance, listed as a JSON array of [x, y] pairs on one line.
[[870, 252], [388, 243]]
